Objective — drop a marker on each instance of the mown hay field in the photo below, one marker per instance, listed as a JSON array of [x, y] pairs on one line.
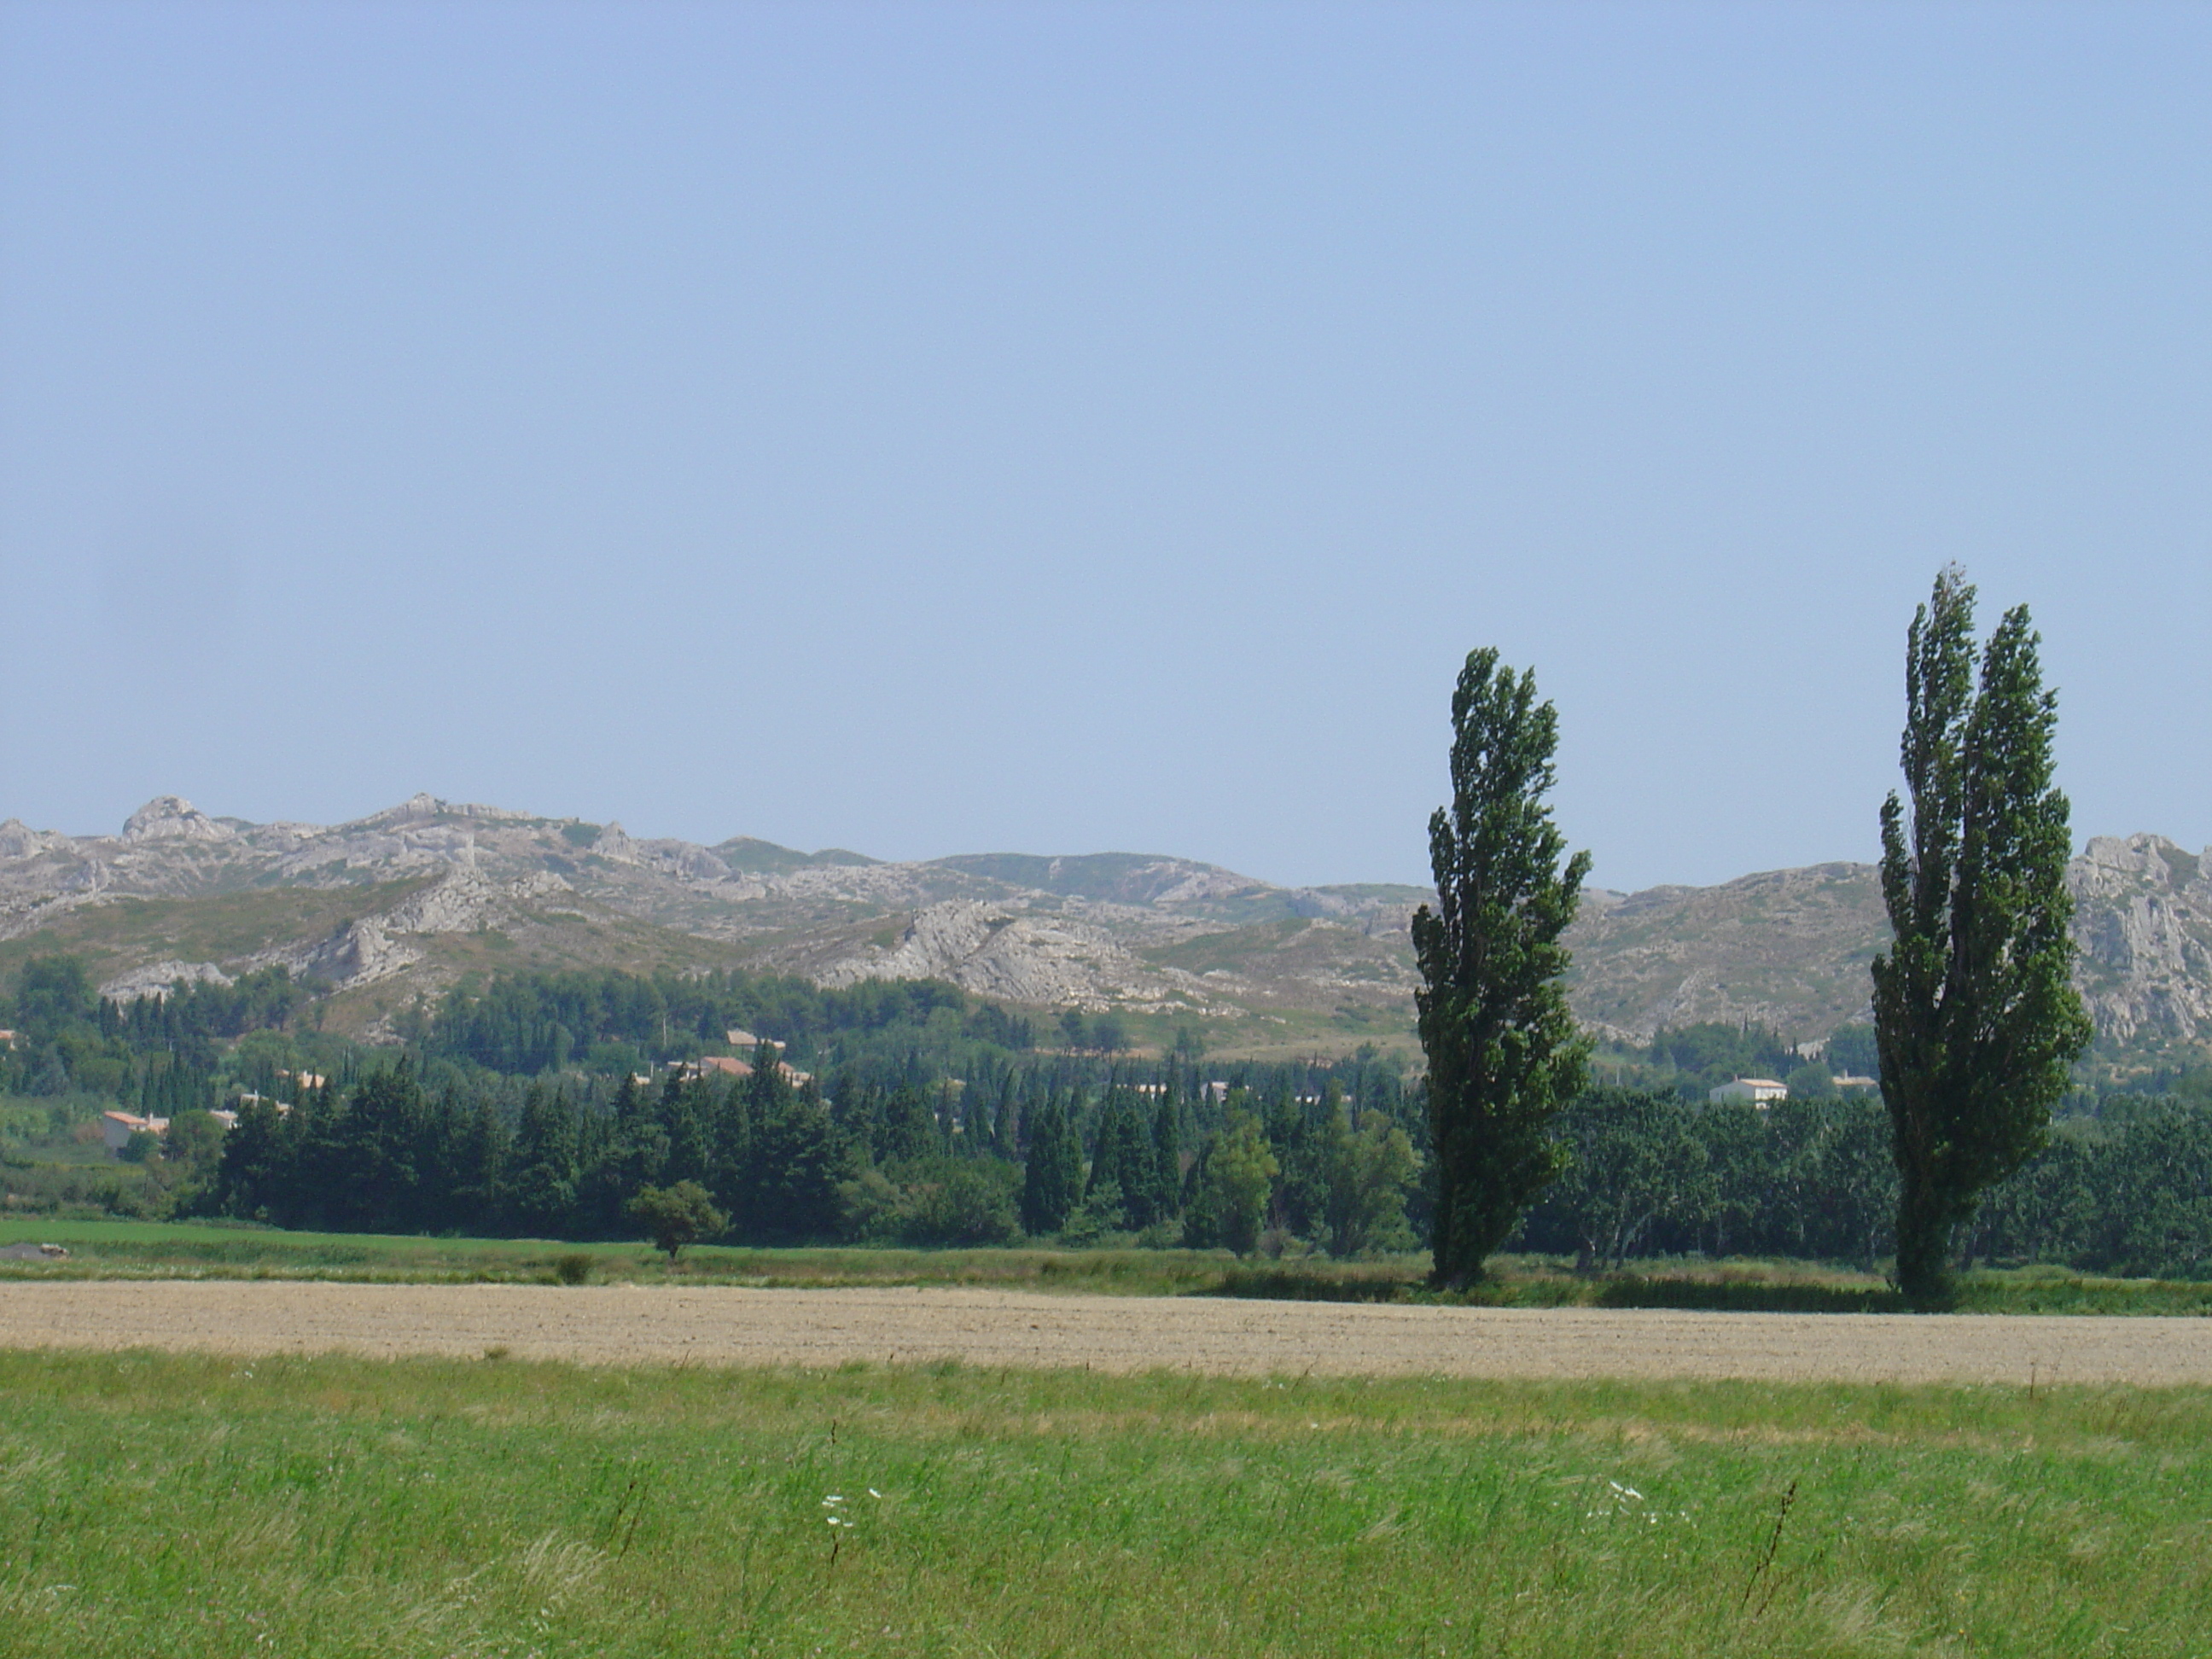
[[726, 1325]]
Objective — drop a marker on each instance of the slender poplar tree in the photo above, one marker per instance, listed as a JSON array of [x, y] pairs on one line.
[[1504, 1053], [1976, 1020]]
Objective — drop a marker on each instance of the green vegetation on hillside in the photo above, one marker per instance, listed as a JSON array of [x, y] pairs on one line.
[[126, 931]]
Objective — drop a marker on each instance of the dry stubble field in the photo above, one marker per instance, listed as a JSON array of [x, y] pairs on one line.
[[727, 1325]]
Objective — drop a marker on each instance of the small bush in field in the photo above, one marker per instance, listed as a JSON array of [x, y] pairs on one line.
[[574, 1268], [676, 1216]]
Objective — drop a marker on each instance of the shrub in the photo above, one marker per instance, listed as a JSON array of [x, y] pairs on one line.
[[676, 1216]]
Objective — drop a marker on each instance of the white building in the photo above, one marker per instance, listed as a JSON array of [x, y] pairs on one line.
[[116, 1129], [1756, 1090]]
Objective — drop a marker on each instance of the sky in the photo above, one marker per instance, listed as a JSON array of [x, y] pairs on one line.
[[941, 428]]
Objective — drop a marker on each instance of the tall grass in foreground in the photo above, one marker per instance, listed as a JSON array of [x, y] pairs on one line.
[[173, 1505]]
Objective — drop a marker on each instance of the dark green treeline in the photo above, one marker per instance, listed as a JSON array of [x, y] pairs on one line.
[[1041, 1148], [934, 1123], [1337, 1168]]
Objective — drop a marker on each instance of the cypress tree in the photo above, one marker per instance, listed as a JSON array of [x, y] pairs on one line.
[[684, 1120], [1003, 1129], [479, 1172], [379, 1144], [1052, 1180], [1121, 1158], [544, 1190], [1167, 1153], [909, 1127], [798, 1157], [1503, 1055], [254, 1179], [730, 1138], [1976, 1021]]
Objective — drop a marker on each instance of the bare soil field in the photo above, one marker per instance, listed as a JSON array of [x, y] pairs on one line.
[[719, 1326]]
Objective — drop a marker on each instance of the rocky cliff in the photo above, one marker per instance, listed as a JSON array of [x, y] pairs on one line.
[[408, 900]]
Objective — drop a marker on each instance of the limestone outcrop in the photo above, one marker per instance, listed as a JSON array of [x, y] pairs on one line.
[[172, 817], [158, 979], [411, 895], [2143, 921]]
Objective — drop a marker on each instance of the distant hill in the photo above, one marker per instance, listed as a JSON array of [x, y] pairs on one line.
[[408, 901], [1789, 948]]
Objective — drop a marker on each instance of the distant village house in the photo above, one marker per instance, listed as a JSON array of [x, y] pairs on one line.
[[725, 1066], [1750, 1091], [116, 1129]]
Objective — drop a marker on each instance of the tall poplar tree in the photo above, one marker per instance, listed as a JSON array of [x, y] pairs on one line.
[[1976, 1021], [1504, 1054]]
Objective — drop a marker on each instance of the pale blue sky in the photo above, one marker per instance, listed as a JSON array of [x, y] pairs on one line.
[[939, 428]]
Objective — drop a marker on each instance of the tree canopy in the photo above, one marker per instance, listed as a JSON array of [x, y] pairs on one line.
[[1503, 1054], [1976, 1021]]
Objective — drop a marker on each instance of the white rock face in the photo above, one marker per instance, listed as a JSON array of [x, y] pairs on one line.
[[998, 951], [158, 979], [466, 900], [2144, 921], [684, 860], [359, 953], [424, 805], [172, 817], [19, 841], [376, 947], [1203, 883]]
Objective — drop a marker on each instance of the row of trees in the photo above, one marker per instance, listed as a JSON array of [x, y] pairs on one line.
[[2127, 1190], [202, 1045], [156, 1052], [1642, 1172], [1025, 1153], [609, 1021], [1976, 1025]]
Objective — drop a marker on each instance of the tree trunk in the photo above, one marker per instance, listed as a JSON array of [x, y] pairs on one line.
[[1459, 1254], [1924, 1242]]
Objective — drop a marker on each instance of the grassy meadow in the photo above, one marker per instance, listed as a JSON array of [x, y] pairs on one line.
[[156, 1506], [101, 1247]]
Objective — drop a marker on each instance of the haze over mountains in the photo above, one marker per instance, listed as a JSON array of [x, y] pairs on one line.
[[408, 901]]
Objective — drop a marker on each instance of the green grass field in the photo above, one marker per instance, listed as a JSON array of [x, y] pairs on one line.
[[157, 1506], [110, 1248]]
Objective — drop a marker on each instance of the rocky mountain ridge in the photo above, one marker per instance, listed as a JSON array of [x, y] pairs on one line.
[[410, 899]]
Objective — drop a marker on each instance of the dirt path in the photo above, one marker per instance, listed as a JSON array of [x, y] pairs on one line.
[[609, 1325]]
